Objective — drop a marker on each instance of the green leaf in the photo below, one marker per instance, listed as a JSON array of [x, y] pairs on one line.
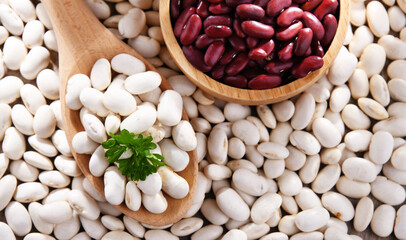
[[142, 163]]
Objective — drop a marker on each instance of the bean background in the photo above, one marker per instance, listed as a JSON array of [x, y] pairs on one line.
[[156, 60]]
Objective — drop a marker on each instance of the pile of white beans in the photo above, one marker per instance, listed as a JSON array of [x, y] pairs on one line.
[[327, 164], [132, 101]]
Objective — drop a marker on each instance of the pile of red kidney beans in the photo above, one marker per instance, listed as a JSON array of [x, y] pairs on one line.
[[255, 44]]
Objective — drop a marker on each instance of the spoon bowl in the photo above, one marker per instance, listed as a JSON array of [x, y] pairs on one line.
[[247, 96], [82, 40]]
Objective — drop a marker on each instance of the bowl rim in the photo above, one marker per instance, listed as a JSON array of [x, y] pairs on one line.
[[249, 96]]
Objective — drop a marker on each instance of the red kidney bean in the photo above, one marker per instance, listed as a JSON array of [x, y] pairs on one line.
[[310, 5], [218, 71], [195, 57], [265, 81], [261, 3], [284, 34], [262, 51], [219, 8], [214, 53], [202, 9], [256, 29], [311, 21], [237, 28], [237, 64], [252, 63], [308, 52], [317, 49], [237, 43], [175, 8], [234, 3], [215, 1], [261, 62], [287, 17], [228, 56], [188, 3], [203, 41], [217, 20], [181, 21], [299, 1], [303, 41], [251, 42], [250, 73], [238, 81], [286, 53], [274, 7], [330, 27], [306, 66], [326, 7], [218, 31], [277, 67], [191, 30], [250, 11], [268, 20]]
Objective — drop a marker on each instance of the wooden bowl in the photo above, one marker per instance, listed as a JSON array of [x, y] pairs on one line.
[[246, 96]]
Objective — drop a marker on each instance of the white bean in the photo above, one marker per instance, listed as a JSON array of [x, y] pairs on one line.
[[54, 179], [338, 205], [8, 186], [144, 45], [169, 110], [362, 37], [94, 228], [228, 200], [155, 203], [312, 219], [158, 234], [284, 110], [289, 183], [378, 27], [23, 171], [30, 192], [13, 144], [387, 191], [132, 196], [56, 212], [34, 209], [363, 214], [114, 185], [50, 40], [309, 171], [212, 212], [381, 147], [18, 218], [234, 111], [307, 199], [10, 20], [207, 232], [383, 220], [22, 119], [132, 23], [264, 206], [372, 59], [36, 60], [83, 204], [305, 142], [249, 182], [175, 157], [396, 69], [304, 110], [83, 144], [326, 178], [339, 72]]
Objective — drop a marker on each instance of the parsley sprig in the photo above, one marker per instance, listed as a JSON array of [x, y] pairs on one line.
[[141, 163]]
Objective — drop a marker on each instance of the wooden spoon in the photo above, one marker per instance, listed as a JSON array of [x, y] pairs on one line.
[[245, 96], [82, 40]]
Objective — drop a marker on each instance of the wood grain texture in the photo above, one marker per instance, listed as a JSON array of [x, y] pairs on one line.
[[245, 96], [82, 40]]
